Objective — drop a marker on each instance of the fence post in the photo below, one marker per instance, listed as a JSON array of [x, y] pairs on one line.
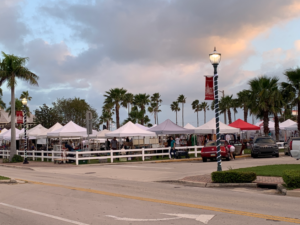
[[111, 156], [42, 155], [76, 158], [143, 154], [33, 155], [52, 156], [169, 149], [195, 151]]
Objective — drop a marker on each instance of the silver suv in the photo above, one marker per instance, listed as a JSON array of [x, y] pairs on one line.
[[264, 146]]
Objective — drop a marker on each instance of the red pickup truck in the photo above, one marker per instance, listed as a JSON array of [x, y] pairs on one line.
[[210, 151]]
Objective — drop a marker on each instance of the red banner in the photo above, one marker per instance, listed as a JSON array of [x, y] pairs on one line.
[[209, 88], [19, 115]]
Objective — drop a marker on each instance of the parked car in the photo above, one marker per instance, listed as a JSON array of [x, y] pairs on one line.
[[289, 146], [264, 146], [210, 151]]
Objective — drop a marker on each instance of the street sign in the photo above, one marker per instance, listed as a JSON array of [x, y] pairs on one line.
[[89, 123]]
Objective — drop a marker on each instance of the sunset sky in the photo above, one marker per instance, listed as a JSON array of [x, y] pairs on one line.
[[84, 48]]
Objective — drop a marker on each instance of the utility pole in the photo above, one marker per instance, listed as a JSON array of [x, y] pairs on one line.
[[223, 92]]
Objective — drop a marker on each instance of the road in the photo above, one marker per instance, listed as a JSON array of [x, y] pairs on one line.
[[130, 194]]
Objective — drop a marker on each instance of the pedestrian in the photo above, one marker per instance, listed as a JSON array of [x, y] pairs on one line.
[[230, 149], [107, 144], [113, 144], [172, 145], [69, 147], [177, 141], [127, 139], [169, 141]]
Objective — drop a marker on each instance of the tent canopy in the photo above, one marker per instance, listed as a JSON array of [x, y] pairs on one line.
[[129, 130], [101, 134], [189, 126], [287, 123], [168, 127], [141, 126], [55, 127], [243, 125], [7, 134], [271, 125], [71, 129], [210, 128], [38, 131], [3, 130]]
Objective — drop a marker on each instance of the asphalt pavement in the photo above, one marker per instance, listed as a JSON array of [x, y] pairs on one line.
[[130, 194]]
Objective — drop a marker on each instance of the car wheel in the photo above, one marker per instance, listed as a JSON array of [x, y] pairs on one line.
[[204, 159], [277, 155], [255, 155], [252, 155], [227, 158]]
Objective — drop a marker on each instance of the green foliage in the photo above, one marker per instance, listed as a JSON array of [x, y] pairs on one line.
[[4, 178], [16, 158], [175, 108], [18, 107], [47, 116], [291, 178], [233, 177]]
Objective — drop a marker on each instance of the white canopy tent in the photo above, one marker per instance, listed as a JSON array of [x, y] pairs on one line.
[[261, 125], [55, 127], [7, 135], [293, 127], [38, 131], [101, 134], [3, 130], [210, 128], [189, 126], [287, 123], [141, 126], [3, 133], [130, 130], [71, 129]]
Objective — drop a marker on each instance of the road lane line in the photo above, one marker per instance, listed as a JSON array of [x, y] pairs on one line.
[[215, 209], [142, 220], [43, 214], [167, 168]]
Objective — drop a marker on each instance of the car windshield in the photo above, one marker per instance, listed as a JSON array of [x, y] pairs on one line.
[[213, 143], [265, 140]]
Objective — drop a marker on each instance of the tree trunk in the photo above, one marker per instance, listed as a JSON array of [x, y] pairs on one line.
[[182, 116], [157, 118], [107, 125], [197, 120], [266, 122], [229, 116], [245, 113], [234, 114], [204, 116], [13, 150], [176, 117], [276, 127], [117, 116], [142, 120]]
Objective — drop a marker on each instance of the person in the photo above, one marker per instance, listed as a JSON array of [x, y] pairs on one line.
[[177, 141], [69, 147], [72, 144], [169, 141], [107, 144], [231, 149], [127, 139], [32, 147], [227, 138], [113, 144], [172, 145]]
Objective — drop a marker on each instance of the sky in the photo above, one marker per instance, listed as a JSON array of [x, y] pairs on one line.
[[84, 48]]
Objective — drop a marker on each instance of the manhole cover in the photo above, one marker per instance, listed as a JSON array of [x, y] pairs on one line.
[[90, 172]]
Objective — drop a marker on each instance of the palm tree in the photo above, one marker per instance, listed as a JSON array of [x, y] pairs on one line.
[[141, 100], [107, 113], [25, 94], [117, 98], [293, 84], [226, 103], [243, 101], [263, 90], [277, 103], [196, 107], [222, 108], [288, 96], [11, 68], [151, 109], [235, 105], [156, 99], [2, 104], [182, 99], [204, 107], [175, 107], [18, 107], [129, 101]]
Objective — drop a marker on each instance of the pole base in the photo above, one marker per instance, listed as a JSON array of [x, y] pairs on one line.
[[25, 161]]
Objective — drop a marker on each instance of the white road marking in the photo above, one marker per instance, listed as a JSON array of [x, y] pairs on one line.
[[141, 220], [43, 214], [144, 167], [201, 218]]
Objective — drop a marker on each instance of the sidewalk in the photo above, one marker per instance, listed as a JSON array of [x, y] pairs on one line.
[[35, 164]]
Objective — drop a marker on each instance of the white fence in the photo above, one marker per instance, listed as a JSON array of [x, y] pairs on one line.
[[143, 153]]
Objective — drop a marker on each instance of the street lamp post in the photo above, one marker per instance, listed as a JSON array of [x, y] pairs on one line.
[[24, 102], [225, 121], [215, 59]]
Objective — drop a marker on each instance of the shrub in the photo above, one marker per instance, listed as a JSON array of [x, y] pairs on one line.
[[17, 158], [291, 178], [233, 177]]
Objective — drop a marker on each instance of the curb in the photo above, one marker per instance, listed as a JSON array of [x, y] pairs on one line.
[[210, 185], [17, 167], [8, 181], [293, 193]]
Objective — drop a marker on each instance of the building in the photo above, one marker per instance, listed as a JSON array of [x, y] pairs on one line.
[[5, 120]]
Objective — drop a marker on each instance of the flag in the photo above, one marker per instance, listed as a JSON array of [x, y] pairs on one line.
[[19, 115], [209, 88]]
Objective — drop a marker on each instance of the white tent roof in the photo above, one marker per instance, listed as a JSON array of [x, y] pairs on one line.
[[210, 128], [71, 129], [141, 126], [293, 127], [7, 135], [101, 134], [130, 130], [261, 124], [3, 133], [3, 130], [287, 123], [154, 125], [55, 127], [189, 126], [38, 131]]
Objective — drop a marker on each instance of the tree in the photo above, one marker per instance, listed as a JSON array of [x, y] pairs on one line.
[[18, 107], [129, 101], [155, 104], [222, 108], [46, 116], [277, 103], [243, 102], [175, 107], [293, 84], [141, 101], [137, 116], [75, 110], [263, 90], [117, 97], [226, 104], [106, 116], [25, 94], [182, 99], [11, 68], [288, 95], [2, 103], [196, 106], [204, 107], [235, 105]]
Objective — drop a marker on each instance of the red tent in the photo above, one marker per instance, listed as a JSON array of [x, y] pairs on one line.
[[243, 125]]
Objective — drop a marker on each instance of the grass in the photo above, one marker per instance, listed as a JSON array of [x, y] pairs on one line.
[[272, 170], [248, 151], [4, 178]]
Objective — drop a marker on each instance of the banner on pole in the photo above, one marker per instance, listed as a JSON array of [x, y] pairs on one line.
[[19, 115], [209, 88]]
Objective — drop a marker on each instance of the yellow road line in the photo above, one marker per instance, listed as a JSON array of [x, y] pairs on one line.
[[215, 209]]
